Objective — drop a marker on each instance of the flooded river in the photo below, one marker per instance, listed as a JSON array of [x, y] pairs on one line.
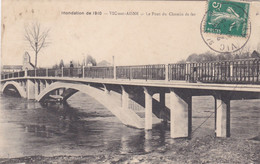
[[83, 127]]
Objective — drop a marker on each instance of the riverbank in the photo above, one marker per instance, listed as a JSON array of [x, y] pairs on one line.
[[207, 149]]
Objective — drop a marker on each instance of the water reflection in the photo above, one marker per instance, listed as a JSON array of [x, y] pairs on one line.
[[77, 127], [147, 141], [72, 130], [38, 130]]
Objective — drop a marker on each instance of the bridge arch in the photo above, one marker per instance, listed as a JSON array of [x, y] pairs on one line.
[[17, 86], [110, 101]]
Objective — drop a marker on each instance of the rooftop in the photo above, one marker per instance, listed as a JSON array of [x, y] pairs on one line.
[[12, 66]]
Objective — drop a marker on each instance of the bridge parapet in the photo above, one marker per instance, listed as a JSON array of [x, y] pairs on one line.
[[245, 71]]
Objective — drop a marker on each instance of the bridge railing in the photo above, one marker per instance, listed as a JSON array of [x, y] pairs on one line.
[[52, 72], [13, 75], [41, 72], [236, 71], [9, 75], [21, 74], [31, 73], [239, 71], [71, 72], [147, 72], [177, 71], [99, 72]]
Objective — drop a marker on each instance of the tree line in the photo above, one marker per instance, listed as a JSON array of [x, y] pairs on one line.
[[89, 61], [209, 56]]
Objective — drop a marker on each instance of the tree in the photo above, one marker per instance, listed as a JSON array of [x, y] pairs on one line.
[[181, 61], [91, 60], [56, 66], [61, 63], [244, 52], [207, 56], [192, 58], [36, 37]]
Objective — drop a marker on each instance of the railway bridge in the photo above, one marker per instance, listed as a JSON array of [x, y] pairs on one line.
[[122, 88]]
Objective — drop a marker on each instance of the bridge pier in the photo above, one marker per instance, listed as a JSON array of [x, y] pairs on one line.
[[42, 86], [125, 99], [148, 109], [162, 98], [46, 84], [57, 92], [181, 115], [20, 82], [222, 117], [30, 89], [36, 85], [23, 84], [106, 90], [162, 103]]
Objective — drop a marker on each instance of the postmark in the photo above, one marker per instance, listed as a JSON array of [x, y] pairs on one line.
[[225, 26]]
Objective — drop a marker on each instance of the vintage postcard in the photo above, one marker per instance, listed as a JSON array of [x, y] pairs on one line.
[[130, 81]]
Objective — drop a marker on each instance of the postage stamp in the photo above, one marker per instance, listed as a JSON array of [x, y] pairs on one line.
[[227, 17], [226, 26]]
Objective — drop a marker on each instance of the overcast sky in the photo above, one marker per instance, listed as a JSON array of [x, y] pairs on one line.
[[131, 39]]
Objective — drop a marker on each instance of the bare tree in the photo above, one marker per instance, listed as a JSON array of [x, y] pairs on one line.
[[36, 37]]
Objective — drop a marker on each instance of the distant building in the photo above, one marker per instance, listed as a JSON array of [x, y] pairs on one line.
[[104, 63], [90, 64], [15, 68], [255, 54], [27, 62], [12, 68]]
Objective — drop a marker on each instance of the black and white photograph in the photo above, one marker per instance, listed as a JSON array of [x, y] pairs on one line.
[[121, 81]]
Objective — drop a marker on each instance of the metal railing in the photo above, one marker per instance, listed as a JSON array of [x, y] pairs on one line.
[[41, 72], [239, 71], [70, 72], [236, 71], [99, 72], [147, 72], [177, 71], [31, 73]]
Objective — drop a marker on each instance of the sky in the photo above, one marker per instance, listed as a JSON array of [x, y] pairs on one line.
[[132, 40]]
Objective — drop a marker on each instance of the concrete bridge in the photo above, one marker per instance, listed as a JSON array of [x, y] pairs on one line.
[[121, 88]]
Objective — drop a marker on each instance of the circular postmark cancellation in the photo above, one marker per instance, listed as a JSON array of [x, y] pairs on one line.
[[225, 26]]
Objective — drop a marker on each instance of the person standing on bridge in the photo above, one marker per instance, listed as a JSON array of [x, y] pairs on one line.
[[71, 69]]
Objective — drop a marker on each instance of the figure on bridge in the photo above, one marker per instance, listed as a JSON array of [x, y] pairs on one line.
[[71, 69]]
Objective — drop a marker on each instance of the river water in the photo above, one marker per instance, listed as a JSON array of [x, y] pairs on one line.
[[82, 126]]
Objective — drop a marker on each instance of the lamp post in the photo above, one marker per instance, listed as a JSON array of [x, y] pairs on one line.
[[114, 67]]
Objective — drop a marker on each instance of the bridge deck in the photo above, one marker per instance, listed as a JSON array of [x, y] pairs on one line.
[[246, 71], [153, 83], [237, 75]]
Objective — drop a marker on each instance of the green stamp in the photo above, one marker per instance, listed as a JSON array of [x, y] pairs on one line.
[[227, 17]]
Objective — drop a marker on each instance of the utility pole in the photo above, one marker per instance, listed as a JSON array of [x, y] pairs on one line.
[[114, 67]]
